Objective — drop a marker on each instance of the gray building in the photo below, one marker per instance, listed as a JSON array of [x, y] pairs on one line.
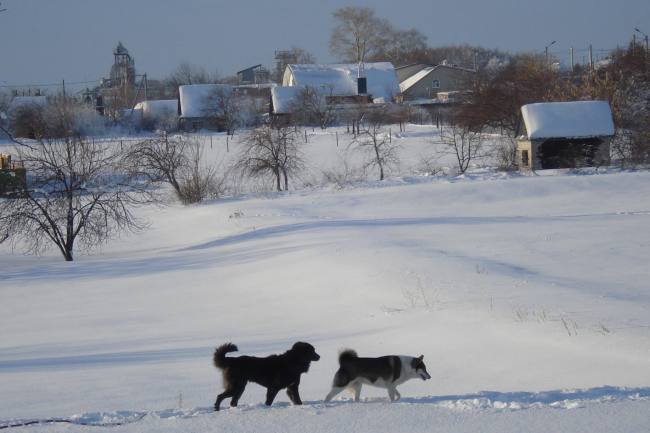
[[254, 75], [424, 82]]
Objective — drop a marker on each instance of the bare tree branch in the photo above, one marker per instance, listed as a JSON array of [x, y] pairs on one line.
[[273, 151], [78, 191]]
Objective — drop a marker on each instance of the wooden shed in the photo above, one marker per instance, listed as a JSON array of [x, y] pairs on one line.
[[565, 135]]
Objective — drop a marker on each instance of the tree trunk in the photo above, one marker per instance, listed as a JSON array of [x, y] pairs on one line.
[[381, 167], [69, 239], [286, 180], [278, 179]]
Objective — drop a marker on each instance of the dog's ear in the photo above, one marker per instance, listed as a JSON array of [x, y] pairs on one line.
[[421, 357]]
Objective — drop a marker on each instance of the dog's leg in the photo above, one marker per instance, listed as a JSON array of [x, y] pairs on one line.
[[392, 393], [236, 395], [227, 393], [270, 395], [397, 394], [294, 395], [336, 390], [340, 382], [355, 388]]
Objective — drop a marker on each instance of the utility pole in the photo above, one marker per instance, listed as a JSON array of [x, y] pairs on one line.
[[591, 57], [145, 87], [571, 56], [63, 89], [546, 51], [647, 50]]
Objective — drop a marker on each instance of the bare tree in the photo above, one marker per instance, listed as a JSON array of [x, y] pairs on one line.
[[27, 121], [200, 181], [77, 191], [462, 142], [505, 153], [267, 150], [5, 100], [373, 140], [226, 107], [311, 106], [400, 47], [358, 33], [301, 56], [178, 161], [163, 158], [497, 96], [295, 55], [187, 73]]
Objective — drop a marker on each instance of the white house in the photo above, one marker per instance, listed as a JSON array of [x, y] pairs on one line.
[[341, 79], [153, 113]]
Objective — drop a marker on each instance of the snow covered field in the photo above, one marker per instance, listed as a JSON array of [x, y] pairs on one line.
[[527, 296]]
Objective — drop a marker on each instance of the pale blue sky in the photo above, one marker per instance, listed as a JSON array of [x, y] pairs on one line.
[[49, 40]]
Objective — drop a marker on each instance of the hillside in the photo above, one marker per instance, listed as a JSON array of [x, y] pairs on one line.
[[527, 296]]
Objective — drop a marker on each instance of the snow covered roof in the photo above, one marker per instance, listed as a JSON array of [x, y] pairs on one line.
[[413, 79], [578, 119], [410, 81], [26, 101], [158, 108], [284, 97], [195, 97], [341, 79]]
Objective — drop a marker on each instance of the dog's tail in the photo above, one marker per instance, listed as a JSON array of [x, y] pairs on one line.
[[220, 360], [347, 355]]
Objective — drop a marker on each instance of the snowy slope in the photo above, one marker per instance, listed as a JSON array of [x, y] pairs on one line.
[[532, 288]]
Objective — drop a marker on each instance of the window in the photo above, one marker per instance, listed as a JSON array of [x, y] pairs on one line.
[[435, 84], [524, 158]]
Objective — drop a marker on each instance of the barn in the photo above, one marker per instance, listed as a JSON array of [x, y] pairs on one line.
[[565, 135], [341, 79]]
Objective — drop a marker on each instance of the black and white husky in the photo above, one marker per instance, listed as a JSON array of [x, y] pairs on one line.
[[384, 372]]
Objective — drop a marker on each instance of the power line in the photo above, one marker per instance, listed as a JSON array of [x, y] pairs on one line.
[[72, 83]]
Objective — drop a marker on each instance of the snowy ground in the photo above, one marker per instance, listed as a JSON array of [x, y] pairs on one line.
[[528, 297]]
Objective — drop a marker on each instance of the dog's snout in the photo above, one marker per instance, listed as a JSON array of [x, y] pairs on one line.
[[316, 356]]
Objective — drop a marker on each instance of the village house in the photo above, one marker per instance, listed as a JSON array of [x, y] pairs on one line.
[[565, 135], [199, 104], [153, 114], [195, 101], [254, 75], [339, 85], [425, 83]]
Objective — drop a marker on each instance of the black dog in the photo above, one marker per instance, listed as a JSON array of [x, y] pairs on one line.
[[274, 372]]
